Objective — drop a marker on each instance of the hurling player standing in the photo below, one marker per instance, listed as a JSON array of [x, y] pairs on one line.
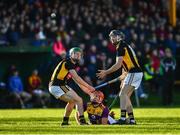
[[126, 59], [60, 90]]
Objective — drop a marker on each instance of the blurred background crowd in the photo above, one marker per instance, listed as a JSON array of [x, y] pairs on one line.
[[62, 24]]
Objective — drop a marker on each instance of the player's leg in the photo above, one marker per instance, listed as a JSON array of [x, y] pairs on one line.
[[111, 120], [73, 99], [60, 92], [123, 103], [79, 105], [68, 110], [133, 82], [129, 108], [77, 100], [46, 98], [18, 98], [26, 97], [65, 93], [42, 96]]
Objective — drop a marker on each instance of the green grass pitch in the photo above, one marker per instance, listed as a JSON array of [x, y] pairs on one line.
[[47, 121]]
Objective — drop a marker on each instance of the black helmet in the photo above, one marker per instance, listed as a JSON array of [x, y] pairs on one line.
[[117, 33]]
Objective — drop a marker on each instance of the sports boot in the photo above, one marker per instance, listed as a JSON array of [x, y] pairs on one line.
[[64, 123], [121, 122]]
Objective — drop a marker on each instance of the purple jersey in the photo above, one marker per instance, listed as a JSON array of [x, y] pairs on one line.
[[96, 112]]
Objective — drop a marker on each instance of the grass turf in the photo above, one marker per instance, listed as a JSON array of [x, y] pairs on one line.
[[46, 121]]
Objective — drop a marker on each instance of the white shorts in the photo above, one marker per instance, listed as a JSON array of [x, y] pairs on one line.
[[133, 79], [58, 91], [111, 120]]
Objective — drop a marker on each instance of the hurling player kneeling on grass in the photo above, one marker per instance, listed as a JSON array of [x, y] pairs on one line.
[[97, 112]]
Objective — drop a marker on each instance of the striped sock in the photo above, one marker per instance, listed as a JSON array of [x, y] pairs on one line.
[[65, 119], [82, 119], [123, 114], [131, 116]]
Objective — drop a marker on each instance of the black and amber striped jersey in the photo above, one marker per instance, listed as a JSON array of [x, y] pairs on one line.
[[61, 72], [130, 62]]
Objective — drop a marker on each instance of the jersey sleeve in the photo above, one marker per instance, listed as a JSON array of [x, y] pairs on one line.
[[105, 112], [121, 50]]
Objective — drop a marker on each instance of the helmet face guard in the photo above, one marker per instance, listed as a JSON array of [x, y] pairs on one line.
[[97, 96], [116, 36], [73, 52]]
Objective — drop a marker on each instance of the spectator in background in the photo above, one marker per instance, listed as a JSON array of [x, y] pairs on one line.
[[149, 74], [169, 65], [82, 70], [59, 51], [111, 49], [9, 72], [153, 75], [177, 39], [171, 43], [145, 22], [40, 38], [13, 35], [3, 39], [58, 48], [155, 63], [155, 60], [34, 81], [92, 60], [141, 93], [161, 32], [36, 90], [16, 88]]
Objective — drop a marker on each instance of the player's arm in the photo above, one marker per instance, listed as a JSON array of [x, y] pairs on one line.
[[77, 115], [123, 75], [82, 84], [104, 121], [116, 66]]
